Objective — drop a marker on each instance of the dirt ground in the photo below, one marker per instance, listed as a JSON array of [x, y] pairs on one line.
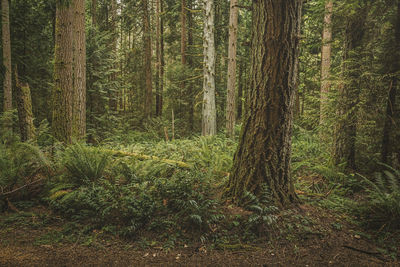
[[18, 247]]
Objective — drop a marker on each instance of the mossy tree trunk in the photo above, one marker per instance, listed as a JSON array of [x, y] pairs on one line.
[[62, 122], [346, 127], [264, 150], [209, 114], [24, 106], [147, 61], [6, 43]]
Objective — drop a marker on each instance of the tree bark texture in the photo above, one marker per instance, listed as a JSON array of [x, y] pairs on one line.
[[209, 115], [390, 121], [231, 81], [326, 61], [240, 92], [63, 73], [264, 150], [147, 60], [79, 112], [24, 106], [346, 127], [5, 28]]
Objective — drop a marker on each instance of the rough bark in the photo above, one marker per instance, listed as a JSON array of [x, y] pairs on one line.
[[63, 73], [264, 150], [231, 81], [79, 111], [6, 43], [346, 126], [240, 93], [209, 116], [325, 62], [147, 60], [24, 106], [387, 146]]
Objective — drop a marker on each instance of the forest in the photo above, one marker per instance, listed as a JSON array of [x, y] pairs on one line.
[[200, 133]]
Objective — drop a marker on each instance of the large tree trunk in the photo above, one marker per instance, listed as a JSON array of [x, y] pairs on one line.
[[79, 112], [24, 106], [264, 150], [5, 21], [325, 62], [387, 146], [209, 121], [346, 127], [230, 99], [147, 60], [63, 73]]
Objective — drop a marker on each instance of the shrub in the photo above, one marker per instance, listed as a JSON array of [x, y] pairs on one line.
[[381, 210]]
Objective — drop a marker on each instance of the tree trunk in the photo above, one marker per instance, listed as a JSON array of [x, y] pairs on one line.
[[147, 60], [79, 112], [387, 146], [113, 94], [240, 92], [5, 21], [63, 73], [325, 62], [24, 106], [159, 100], [346, 128], [264, 150], [209, 121], [230, 99], [158, 55], [191, 90], [94, 12]]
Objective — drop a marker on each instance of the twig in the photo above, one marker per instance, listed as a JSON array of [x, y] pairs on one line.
[[375, 254], [19, 188]]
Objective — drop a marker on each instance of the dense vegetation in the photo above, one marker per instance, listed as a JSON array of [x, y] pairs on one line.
[[142, 167]]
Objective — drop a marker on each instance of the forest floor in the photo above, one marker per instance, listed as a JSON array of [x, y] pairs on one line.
[[36, 237]]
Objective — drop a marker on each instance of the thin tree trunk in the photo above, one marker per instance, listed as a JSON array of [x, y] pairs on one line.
[[209, 121], [63, 73], [190, 44], [240, 92], [264, 150], [113, 94], [24, 106], [79, 112], [5, 20], [230, 99], [162, 63], [158, 56], [147, 60], [325, 62], [387, 146], [94, 12]]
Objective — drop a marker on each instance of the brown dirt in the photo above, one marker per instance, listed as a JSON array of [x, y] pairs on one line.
[[327, 247]]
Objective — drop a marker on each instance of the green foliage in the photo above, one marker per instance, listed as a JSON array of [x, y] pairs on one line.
[[84, 164], [381, 210]]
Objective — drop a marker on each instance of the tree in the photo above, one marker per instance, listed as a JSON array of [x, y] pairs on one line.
[[209, 118], [79, 112], [6, 43], [62, 123], [147, 60], [394, 67], [230, 99], [264, 150], [349, 92], [326, 60], [160, 57]]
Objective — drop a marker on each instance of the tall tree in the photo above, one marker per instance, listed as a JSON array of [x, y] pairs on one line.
[[147, 60], [326, 60], [93, 10], [394, 67], [209, 118], [62, 123], [79, 112], [160, 55], [264, 150], [349, 92], [6, 43], [230, 99]]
